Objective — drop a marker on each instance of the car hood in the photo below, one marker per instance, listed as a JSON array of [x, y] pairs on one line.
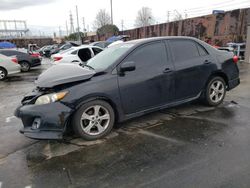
[[62, 74]]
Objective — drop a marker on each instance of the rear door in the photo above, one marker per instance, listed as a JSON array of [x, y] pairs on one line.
[[151, 83], [192, 67]]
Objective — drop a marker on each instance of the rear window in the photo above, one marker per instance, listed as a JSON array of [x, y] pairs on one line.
[[202, 51], [183, 49], [96, 50], [7, 52], [74, 52]]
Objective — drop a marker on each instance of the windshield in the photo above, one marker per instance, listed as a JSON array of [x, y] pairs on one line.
[[65, 51], [108, 57]]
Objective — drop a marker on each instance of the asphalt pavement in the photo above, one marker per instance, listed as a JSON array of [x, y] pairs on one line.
[[188, 146]]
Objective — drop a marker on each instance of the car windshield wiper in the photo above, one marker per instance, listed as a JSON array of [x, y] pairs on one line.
[[89, 67]]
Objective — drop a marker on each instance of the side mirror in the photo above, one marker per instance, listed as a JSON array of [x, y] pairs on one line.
[[127, 66]]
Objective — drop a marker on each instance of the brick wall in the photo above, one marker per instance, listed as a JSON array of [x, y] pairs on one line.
[[219, 29]]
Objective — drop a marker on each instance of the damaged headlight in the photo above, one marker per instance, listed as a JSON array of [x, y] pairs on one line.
[[49, 98]]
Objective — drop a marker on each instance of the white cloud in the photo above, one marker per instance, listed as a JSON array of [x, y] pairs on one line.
[[6, 5]]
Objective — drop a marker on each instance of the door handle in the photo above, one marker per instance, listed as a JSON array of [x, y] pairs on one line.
[[207, 62], [167, 70]]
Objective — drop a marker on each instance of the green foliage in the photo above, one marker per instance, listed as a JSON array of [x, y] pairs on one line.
[[108, 29], [74, 36]]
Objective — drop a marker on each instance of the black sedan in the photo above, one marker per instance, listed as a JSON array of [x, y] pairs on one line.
[[123, 82], [24, 59]]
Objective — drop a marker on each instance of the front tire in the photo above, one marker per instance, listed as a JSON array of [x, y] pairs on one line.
[[93, 120], [3, 74], [215, 91]]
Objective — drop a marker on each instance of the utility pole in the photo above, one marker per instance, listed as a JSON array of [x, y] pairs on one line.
[[78, 27], [72, 30], [186, 15], [122, 26], [168, 15], [60, 32], [111, 7], [67, 29], [83, 24], [84, 27]]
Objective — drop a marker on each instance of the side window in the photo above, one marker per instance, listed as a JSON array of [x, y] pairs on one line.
[[19, 53], [84, 54], [4, 53], [74, 52], [149, 56], [201, 50], [183, 49], [96, 50], [8, 52]]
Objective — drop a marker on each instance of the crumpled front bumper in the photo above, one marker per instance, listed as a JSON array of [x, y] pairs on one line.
[[53, 120]]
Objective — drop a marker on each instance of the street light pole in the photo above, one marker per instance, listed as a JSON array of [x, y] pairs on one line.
[[111, 7]]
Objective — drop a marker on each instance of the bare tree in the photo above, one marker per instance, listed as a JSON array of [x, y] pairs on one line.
[[102, 18], [144, 17], [177, 16]]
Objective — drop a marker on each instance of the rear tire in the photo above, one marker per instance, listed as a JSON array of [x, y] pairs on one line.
[[3, 74], [25, 66], [215, 91], [93, 120]]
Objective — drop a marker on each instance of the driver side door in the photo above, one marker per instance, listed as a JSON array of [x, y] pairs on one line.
[[149, 85]]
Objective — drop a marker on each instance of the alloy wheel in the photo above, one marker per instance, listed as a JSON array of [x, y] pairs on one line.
[[2, 74], [216, 91], [95, 120], [25, 66]]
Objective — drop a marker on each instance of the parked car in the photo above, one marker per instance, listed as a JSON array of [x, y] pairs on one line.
[[228, 49], [46, 50], [24, 59], [239, 49], [62, 48], [123, 82], [101, 44], [8, 66], [77, 55]]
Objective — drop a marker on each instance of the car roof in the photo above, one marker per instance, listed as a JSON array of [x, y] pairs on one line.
[[139, 42], [84, 46], [145, 40]]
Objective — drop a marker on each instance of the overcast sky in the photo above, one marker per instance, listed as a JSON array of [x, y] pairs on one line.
[[50, 14]]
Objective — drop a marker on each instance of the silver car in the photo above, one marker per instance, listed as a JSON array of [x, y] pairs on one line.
[[8, 66]]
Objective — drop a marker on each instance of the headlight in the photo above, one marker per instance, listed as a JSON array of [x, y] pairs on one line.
[[46, 99]]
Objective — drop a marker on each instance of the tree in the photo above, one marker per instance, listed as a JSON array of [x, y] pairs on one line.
[[177, 16], [108, 29], [144, 17], [74, 36], [102, 19]]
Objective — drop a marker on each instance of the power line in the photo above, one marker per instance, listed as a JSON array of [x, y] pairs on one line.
[[215, 4], [218, 7]]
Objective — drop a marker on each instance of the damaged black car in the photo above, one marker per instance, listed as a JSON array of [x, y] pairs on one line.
[[125, 81]]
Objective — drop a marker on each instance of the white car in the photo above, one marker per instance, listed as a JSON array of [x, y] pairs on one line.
[[78, 55], [8, 66]]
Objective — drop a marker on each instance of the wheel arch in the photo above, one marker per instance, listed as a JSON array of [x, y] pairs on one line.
[[214, 74], [5, 70], [26, 61], [220, 74]]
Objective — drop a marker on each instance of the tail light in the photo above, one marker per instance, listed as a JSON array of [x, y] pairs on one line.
[[235, 59], [14, 60], [35, 54], [57, 58]]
